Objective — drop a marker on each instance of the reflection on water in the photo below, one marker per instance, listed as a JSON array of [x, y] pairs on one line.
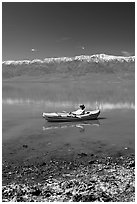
[[80, 126], [25, 122], [24, 102], [69, 104]]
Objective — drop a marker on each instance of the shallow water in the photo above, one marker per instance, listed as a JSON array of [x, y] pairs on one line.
[[22, 122], [114, 127]]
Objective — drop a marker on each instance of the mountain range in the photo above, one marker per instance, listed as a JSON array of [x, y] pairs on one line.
[[78, 65]]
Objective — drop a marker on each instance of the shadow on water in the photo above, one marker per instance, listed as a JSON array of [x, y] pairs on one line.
[[101, 118], [80, 125]]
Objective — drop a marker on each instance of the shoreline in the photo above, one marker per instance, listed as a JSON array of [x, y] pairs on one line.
[[85, 177]]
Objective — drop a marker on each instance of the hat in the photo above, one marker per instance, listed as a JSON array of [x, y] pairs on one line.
[[82, 106]]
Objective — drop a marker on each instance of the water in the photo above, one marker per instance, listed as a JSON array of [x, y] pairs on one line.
[[116, 124], [24, 102]]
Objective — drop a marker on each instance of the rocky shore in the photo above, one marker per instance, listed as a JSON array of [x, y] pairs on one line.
[[85, 178]]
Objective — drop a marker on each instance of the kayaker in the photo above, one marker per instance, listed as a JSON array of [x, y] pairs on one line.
[[80, 111]]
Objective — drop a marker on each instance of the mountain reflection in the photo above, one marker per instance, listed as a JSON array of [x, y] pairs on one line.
[[69, 104]]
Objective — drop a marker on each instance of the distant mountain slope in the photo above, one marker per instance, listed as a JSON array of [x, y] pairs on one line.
[[78, 65]]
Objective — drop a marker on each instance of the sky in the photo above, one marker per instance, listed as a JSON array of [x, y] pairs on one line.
[[39, 30]]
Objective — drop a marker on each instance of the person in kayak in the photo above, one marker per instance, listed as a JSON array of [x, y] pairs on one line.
[[80, 111]]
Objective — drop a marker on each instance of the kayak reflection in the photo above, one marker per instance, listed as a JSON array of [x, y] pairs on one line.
[[81, 126]]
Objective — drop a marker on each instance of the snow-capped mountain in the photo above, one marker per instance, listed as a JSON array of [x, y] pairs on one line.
[[98, 58], [78, 65]]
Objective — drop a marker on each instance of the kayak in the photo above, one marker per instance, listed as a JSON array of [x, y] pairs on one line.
[[69, 117]]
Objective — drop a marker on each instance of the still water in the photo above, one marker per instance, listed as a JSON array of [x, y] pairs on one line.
[[22, 122], [115, 124]]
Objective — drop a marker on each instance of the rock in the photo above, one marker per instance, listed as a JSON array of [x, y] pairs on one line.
[[25, 146], [47, 193], [91, 161], [106, 197], [82, 154], [89, 198], [77, 198], [132, 164], [43, 164], [36, 192], [68, 193], [31, 200]]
